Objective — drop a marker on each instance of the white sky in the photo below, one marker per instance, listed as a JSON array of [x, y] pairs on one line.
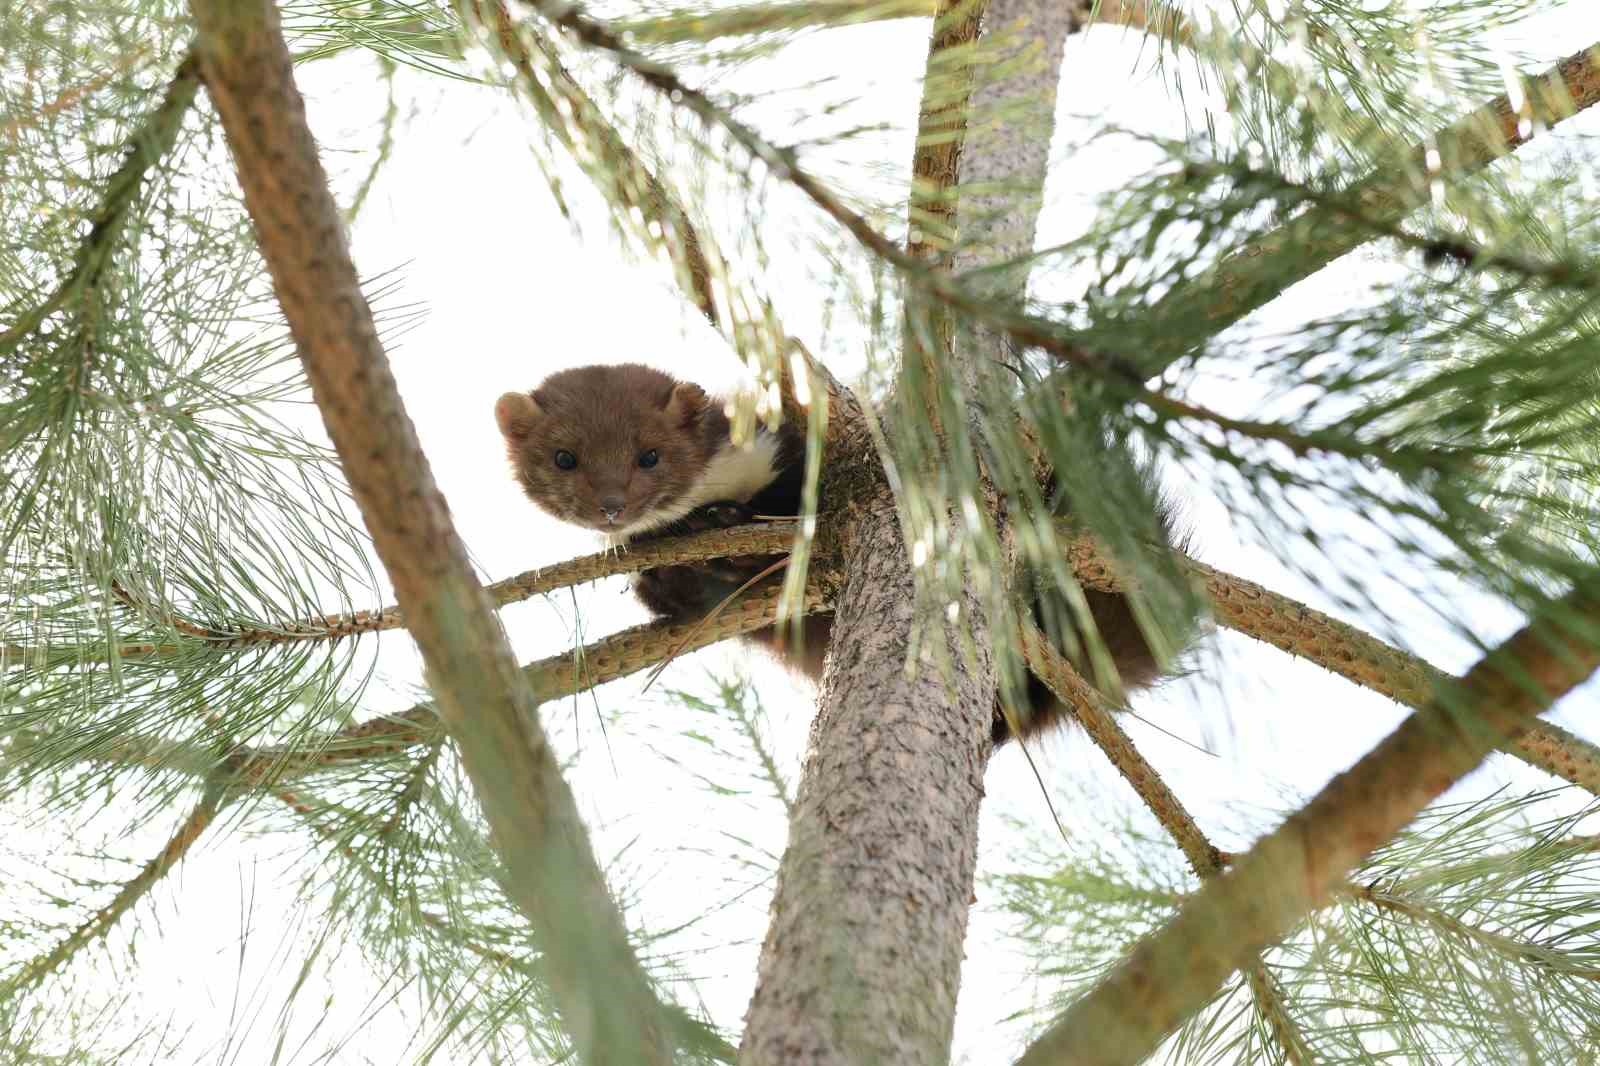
[[465, 217]]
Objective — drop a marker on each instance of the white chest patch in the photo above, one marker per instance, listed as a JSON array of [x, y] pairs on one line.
[[737, 473], [732, 474]]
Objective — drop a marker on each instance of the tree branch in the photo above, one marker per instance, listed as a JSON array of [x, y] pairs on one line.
[[1297, 868], [1238, 603], [1553, 273], [605, 660], [1253, 276], [1304, 632], [1089, 708], [177, 846], [145, 148], [769, 538], [604, 996], [1507, 947]]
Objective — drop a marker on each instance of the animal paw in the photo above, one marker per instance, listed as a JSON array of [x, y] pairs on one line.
[[720, 515]]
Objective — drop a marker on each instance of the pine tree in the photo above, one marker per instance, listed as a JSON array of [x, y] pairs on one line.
[[191, 606]]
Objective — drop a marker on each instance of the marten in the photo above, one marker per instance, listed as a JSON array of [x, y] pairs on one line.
[[636, 454]]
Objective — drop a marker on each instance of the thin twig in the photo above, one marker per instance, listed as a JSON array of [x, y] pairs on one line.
[[1089, 708], [172, 852], [1508, 947], [144, 149], [1253, 276]]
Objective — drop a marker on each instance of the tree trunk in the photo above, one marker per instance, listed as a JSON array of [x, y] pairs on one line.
[[862, 960], [863, 957]]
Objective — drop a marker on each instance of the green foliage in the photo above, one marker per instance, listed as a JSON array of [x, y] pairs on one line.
[[1469, 938], [172, 530]]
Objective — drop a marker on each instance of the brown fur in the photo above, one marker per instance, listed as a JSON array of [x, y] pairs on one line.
[[606, 416]]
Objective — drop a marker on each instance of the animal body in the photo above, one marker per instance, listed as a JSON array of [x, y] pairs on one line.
[[635, 454]]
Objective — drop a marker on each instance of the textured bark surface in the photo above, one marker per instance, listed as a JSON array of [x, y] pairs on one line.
[[606, 1003], [863, 956], [1007, 150], [862, 961]]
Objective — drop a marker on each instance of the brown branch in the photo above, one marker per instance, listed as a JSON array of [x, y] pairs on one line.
[[604, 995], [1343, 649], [558, 676], [896, 756], [757, 539], [1508, 947], [1089, 708], [1239, 604], [1357, 656], [171, 853], [1297, 868], [1253, 276], [1161, 20]]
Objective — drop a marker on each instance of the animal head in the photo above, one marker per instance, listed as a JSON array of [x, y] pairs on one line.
[[613, 448]]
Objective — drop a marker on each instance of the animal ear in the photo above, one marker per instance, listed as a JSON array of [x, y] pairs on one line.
[[686, 403], [516, 413]]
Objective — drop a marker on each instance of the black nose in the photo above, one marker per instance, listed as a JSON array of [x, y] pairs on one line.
[[611, 506]]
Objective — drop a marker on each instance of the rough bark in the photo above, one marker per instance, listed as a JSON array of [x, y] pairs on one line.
[[606, 1003], [863, 955], [1297, 868], [862, 960]]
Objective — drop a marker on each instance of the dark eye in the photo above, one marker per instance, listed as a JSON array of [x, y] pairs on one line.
[[649, 458], [566, 460]]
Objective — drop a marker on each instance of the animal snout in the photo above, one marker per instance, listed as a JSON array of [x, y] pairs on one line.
[[611, 506]]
